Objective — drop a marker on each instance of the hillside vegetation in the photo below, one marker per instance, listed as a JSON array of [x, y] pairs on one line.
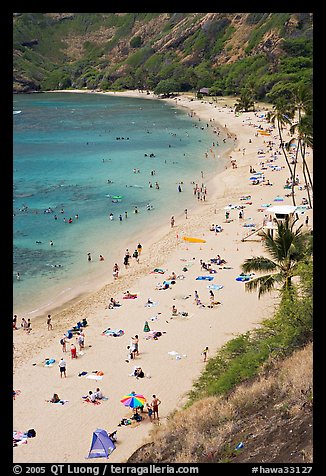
[[254, 400], [269, 419], [166, 52]]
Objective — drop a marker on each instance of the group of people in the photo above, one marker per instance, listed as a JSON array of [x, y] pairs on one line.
[[94, 396]]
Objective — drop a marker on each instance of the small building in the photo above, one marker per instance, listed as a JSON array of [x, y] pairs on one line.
[[204, 91], [278, 213]]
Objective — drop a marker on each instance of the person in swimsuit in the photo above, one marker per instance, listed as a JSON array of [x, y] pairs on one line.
[[155, 403]]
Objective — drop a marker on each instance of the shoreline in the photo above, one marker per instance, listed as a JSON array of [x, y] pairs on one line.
[[239, 312], [82, 290]]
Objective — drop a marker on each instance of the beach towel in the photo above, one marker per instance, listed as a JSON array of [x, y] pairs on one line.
[[171, 281], [161, 287], [215, 286], [158, 271], [60, 402], [49, 362], [247, 225], [151, 304], [176, 355], [95, 377], [113, 333], [130, 296], [87, 400], [19, 437], [204, 278], [154, 335], [244, 277]]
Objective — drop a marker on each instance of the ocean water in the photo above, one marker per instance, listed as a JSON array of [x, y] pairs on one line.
[[73, 153]]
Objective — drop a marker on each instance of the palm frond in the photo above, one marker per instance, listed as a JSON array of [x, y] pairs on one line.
[[258, 263], [264, 284]]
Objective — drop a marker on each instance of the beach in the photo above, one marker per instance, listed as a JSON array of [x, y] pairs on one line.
[[172, 361]]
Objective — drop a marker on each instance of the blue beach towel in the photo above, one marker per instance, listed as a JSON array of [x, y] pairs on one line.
[[215, 286], [244, 277], [203, 278], [49, 362]]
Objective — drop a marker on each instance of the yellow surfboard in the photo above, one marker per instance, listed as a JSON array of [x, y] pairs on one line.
[[193, 240]]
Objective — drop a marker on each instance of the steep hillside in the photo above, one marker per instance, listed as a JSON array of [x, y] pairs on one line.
[[185, 51], [270, 418]]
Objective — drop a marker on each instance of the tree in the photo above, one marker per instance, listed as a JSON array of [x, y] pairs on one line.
[[302, 98], [167, 86], [287, 250], [136, 42], [245, 102], [282, 115]]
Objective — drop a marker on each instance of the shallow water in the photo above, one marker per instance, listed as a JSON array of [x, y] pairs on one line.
[[66, 148]]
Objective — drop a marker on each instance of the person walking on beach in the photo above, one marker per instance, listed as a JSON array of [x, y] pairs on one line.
[[135, 345], [28, 326], [204, 354], [116, 270], [63, 342], [126, 260], [49, 322], [62, 367], [155, 404], [73, 351], [211, 297], [149, 410], [81, 341], [139, 249], [89, 257], [172, 221]]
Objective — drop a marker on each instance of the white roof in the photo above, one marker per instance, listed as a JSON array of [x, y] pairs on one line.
[[283, 209]]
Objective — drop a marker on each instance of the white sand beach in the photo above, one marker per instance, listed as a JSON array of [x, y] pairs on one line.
[[172, 361]]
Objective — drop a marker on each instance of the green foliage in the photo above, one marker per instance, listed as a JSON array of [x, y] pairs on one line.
[[194, 59], [135, 42], [241, 358], [167, 86], [273, 22], [139, 57], [298, 47]]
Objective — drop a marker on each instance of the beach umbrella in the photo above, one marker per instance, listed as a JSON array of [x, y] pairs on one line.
[[133, 400]]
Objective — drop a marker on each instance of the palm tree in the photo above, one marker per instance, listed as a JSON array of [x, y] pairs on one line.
[[304, 139], [302, 97], [287, 250], [282, 115]]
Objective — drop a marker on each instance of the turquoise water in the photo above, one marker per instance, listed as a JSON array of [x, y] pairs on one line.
[[72, 154]]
